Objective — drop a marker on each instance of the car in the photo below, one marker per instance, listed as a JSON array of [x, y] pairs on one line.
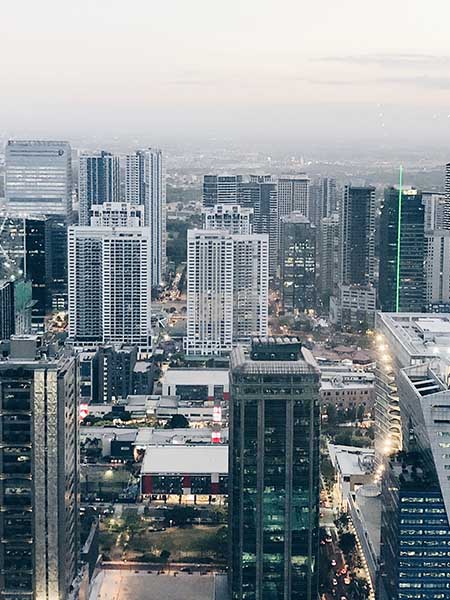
[[333, 563], [347, 580], [335, 581]]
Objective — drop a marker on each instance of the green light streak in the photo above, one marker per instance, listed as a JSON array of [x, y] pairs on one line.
[[399, 223]]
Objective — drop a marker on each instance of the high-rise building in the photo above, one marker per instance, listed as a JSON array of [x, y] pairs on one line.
[[145, 184], [322, 200], [402, 251], [298, 263], [435, 207], [99, 182], [412, 433], [38, 471], [354, 301], [209, 292], [250, 285], [329, 256], [293, 195], [357, 235], [329, 197], [260, 194], [117, 214], [38, 178], [45, 265], [35, 251], [437, 270], [446, 223], [110, 285], [227, 289], [274, 472], [315, 203], [7, 310], [232, 217], [221, 189]]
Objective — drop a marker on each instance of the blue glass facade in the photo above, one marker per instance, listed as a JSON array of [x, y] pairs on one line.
[[415, 537]]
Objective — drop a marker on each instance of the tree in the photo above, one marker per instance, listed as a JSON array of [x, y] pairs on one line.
[[342, 521], [331, 413], [165, 555], [177, 422], [132, 523], [180, 515], [327, 469], [361, 412], [347, 543]]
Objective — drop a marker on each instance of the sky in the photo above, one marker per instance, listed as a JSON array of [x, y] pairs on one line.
[[328, 70]]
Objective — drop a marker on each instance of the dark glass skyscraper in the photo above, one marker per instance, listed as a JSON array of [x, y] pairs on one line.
[[274, 472], [298, 263], [45, 265], [99, 182], [260, 194], [221, 189], [402, 252], [7, 312], [38, 472], [357, 242]]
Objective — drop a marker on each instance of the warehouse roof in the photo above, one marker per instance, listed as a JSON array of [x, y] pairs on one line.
[[186, 459]]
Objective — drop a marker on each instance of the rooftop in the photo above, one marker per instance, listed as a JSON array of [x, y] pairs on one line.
[[352, 460], [421, 335], [284, 360], [195, 377], [186, 459], [148, 436]]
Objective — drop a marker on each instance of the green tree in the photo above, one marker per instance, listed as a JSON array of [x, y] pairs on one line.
[[347, 543], [177, 422], [331, 413], [361, 412], [180, 515], [165, 555]]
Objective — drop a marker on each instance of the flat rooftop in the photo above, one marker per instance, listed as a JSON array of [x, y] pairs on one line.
[[129, 585], [184, 459], [195, 377], [368, 504], [327, 384], [149, 436], [421, 335], [351, 460]]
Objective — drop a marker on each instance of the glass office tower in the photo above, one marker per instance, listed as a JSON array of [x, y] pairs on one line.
[[298, 263], [38, 472], [274, 471], [38, 178], [402, 252]]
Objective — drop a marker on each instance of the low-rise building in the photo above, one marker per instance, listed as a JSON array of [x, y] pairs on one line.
[[353, 467], [354, 306], [196, 384], [347, 388], [364, 507], [185, 470]]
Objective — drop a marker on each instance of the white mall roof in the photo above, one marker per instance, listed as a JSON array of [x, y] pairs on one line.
[[187, 460], [195, 377]]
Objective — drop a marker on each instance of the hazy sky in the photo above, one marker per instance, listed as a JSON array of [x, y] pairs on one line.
[[261, 69]]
